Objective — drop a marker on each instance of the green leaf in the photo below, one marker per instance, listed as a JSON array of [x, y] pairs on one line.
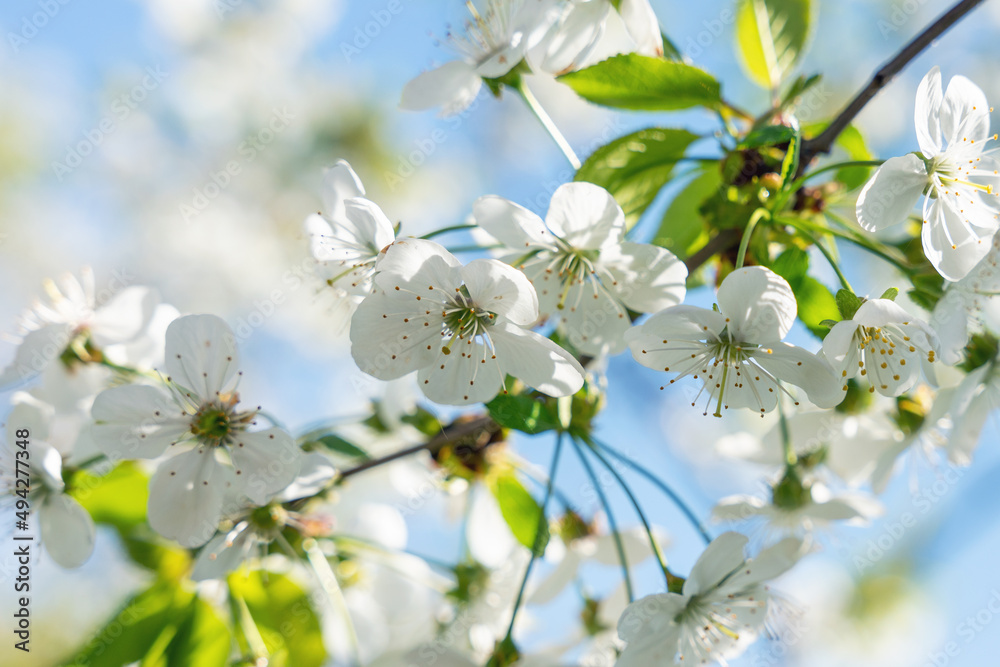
[[645, 84], [683, 229], [118, 498], [797, 88], [148, 622], [790, 165], [338, 445], [522, 412], [634, 168], [854, 145], [792, 265], [848, 304], [890, 294], [769, 135], [284, 616], [771, 35], [519, 509], [424, 421], [201, 640], [816, 304]]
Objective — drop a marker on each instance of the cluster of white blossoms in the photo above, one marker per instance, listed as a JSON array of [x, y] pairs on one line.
[[550, 36], [955, 173], [119, 377]]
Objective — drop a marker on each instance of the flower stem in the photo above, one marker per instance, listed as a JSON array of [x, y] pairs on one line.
[[638, 510], [747, 233], [615, 534], [328, 582], [662, 486], [791, 458], [547, 122], [829, 258], [445, 230], [536, 546], [247, 633]]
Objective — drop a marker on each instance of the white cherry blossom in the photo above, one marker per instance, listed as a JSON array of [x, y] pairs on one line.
[[976, 398], [588, 31], [722, 608], [884, 343], [82, 321], [956, 175], [584, 270], [462, 328], [737, 351], [65, 527], [496, 38], [813, 514], [969, 305], [346, 238], [197, 412]]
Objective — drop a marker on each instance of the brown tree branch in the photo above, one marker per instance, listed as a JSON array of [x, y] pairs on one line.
[[824, 141]]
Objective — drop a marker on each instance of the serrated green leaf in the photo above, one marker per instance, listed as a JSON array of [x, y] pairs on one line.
[[771, 36], [847, 304], [644, 83], [890, 294], [519, 509], [282, 612], [683, 230], [522, 413], [634, 168]]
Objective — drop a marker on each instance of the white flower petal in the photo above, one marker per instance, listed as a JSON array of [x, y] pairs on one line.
[[37, 350], [501, 289], [469, 374], [137, 421], [649, 278], [965, 113], [220, 556], [664, 341], [185, 497], [927, 113], [585, 216], [769, 563], [841, 348], [390, 338], [511, 224], [717, 562], [643, 26], [974, 402], [556, 582], [316, 472], [201, 354], [67, 531], [950, 244], [340, 183], [124, 316], [417, 264], [594, 320], [571, 39], [792, 364], [759, 303], [265, 462], [536, 360], [891, 193], [452, 87]]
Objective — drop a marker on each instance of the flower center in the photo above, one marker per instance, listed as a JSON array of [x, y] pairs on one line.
[[216, 423], [464, 320], [487, 33], [882, 354]]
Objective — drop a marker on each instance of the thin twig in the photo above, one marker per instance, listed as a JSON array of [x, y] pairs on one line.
[[823, 142]]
